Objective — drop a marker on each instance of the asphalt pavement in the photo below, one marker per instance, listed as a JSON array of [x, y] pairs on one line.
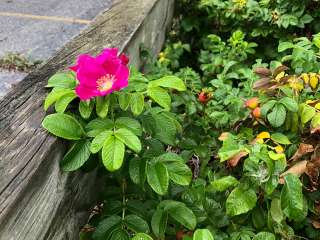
[[38, 28]]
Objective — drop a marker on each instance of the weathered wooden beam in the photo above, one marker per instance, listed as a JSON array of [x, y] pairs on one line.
[[37, 200]]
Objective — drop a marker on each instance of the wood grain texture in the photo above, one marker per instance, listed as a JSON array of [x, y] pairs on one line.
[[37, 200]]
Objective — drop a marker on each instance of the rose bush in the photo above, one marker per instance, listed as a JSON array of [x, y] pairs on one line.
[[218, 139]]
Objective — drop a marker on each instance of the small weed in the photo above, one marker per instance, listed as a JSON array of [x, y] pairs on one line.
[[17, 62]]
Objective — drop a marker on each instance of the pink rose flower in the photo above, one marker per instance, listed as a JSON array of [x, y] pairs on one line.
[[101, 75]]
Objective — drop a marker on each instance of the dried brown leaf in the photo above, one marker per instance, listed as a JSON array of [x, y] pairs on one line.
[[262, 72], [315, 130], [232, 162], [279, 70], [316, 224], [302, 150], [313, 174], [263, 83], [315, 158], [297, 169]]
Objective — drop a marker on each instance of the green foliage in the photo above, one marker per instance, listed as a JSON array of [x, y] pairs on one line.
[[217, 139], [240, 201], [202, 234]]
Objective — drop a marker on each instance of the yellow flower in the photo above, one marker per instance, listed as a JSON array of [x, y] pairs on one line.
[[305, 78], [279, 149], [314, 80], [263, 135]]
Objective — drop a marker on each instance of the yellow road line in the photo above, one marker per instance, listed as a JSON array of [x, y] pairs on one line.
[[50, 18]]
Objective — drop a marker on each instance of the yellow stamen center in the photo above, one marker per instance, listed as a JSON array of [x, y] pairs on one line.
[[105, 83]]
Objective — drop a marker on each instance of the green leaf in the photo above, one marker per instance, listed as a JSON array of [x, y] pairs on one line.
[[62, 80], [130, 124], [137, 103], [230, 148], [280, 138], [306, 19], [292, 197], [161, 127], [276, 211], [98, 125], [142, 236], [179, 173], [290, 104], [124, 100], [129, 139], [105, 227], [159, 222], [119, 234], [63, 102], [264, 236], [55, 95], [170, 157], [276, 156], [169, 82], [240, 201], [266, 107], [99, 140], [136, 223], [78, 154], [113, 153], [284, 46], [165, 129], [102, 106], [224, 183], [277, 115], [160, 96], [202, 234], [306, 112], [315, 121], [158, 177], [64, 126], [85, 109], [181, 213], [137, 170]]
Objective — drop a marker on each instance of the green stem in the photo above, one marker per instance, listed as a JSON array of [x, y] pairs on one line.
[[123, 198]]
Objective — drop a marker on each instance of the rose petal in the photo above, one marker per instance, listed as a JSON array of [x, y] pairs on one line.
[[85, 93], [107, 54], [122, 78], [89, 72]]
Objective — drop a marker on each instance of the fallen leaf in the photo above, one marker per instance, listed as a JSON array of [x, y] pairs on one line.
[[232, 162], [302, 150], [297, 169]]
